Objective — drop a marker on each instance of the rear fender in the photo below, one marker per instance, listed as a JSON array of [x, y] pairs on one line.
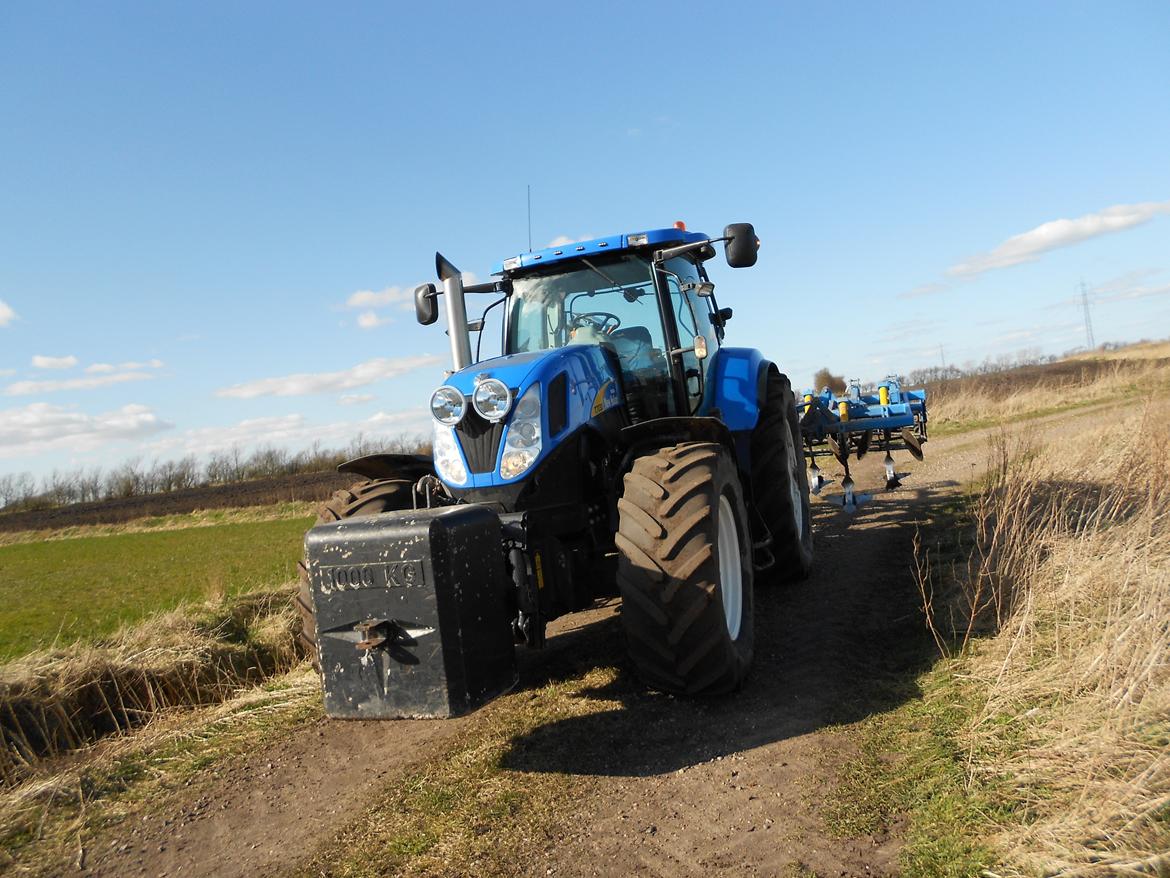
[[737, 381]]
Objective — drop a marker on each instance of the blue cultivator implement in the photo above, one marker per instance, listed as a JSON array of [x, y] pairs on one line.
[[891, 417]]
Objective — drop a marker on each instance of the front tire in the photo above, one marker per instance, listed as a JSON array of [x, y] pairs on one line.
[[685, 570], [369, 497]]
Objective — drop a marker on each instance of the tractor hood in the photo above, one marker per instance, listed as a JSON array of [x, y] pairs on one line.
[[570, 387]]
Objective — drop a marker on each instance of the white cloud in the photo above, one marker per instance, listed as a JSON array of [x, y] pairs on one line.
[[106, 368], [301, 384], [371, 320], [562, 240], [399, 297], [924, 290], [1132, 285], [1028, 246], [355, 398], [26, 388], [42, 362], [907, 329], [40, 426], [292, 431], [379, 299], [7, 315]]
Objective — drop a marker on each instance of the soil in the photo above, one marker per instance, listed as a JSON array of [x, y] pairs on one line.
[[681, 786], [257, 492]]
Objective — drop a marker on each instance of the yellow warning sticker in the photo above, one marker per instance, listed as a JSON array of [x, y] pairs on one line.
[[599, 400]]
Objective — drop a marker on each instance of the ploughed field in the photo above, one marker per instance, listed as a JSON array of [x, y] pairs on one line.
[[255, 492]]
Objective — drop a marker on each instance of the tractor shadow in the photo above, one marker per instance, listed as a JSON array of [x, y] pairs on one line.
[[847, 643]]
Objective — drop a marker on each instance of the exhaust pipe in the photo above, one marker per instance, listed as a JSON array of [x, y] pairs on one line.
[[456, 312]]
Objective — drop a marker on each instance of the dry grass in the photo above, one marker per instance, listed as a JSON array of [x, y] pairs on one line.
[[50, 822], [1070, 577], [61, 700], [1145, 350], [1040, 390]]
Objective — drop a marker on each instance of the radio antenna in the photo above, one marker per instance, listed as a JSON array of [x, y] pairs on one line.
[[529, 217]]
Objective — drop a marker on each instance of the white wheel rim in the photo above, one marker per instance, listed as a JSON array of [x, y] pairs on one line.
[[794, 489], [730, 572]]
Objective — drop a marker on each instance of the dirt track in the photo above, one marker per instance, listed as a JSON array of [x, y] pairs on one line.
[[683, 787]]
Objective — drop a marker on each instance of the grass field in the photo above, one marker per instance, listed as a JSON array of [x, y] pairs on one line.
[[66, 590]]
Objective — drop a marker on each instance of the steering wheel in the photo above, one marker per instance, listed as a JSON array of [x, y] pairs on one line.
[[600, 321]]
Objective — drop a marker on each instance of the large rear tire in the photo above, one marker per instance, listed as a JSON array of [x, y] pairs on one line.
[[780, 482], [369, 497], [685, 570]]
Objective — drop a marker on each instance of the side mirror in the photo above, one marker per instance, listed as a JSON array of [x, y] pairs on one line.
[[426, 306], [742, 245]]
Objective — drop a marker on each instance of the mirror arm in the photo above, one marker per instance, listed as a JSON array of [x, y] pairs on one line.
[[492, 286], [661, 256]]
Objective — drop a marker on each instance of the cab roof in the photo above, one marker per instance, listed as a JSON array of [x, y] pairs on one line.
[[611, 244]]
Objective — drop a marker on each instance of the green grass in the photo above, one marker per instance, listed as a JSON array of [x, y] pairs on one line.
[[910, 764], [63, 591]]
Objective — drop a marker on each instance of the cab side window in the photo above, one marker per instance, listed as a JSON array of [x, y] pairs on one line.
[[692, 316]]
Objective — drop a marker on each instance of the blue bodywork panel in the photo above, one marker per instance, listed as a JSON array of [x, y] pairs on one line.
[[565, 252], [733, 387], [591, 389]]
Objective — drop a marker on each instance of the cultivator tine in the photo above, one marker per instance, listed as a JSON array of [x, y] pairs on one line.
[[891, 477], [913, 445], [863, 443], [816, 481], [839, 445], [849, 500]]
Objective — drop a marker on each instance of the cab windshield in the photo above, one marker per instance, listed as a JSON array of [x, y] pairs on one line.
[[607, 300], [593, 301]]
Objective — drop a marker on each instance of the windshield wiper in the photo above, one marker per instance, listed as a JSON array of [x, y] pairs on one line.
[[597, 271]]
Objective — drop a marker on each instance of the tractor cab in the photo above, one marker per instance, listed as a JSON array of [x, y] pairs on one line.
[[652, 311]]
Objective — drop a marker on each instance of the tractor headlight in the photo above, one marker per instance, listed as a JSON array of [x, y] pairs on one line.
[[492, 399], [522, 441], [448, 463], [448, 405]]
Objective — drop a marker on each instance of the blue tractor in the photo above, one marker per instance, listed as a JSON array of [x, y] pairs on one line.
[[617, 447]]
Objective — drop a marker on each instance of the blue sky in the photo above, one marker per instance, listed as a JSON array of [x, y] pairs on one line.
[[191, 195]]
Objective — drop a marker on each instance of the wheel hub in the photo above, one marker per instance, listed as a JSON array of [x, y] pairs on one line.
[[794, 490], [730, 571]]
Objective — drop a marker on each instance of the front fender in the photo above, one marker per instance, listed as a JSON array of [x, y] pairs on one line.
[[411, 467]]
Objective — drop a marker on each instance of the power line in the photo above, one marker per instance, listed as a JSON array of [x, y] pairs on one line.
[[1088, 318]]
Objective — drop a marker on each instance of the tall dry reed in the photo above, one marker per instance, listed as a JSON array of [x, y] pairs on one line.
[[1069, 576], [56, 701], [1038, 389]]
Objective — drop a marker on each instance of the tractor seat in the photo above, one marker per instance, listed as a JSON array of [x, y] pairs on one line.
[[639, 334]]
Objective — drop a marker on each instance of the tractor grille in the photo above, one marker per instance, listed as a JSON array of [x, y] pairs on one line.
[[480, 440]]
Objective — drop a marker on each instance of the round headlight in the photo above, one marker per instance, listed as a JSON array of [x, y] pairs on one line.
[[448, 406], [492, 399]]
